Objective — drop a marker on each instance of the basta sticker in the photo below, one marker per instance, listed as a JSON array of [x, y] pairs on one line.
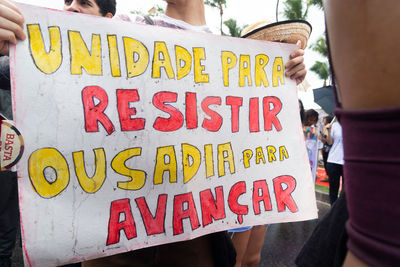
[[11, 145]]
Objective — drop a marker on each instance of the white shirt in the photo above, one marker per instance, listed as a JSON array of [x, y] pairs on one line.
[[165, 21], [336, 151]]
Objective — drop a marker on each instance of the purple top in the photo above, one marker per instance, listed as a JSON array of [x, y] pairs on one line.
[[371, 141]]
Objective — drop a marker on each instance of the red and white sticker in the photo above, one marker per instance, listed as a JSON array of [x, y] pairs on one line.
[[11, 145]]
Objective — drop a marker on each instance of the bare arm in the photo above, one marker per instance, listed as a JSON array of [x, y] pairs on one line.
[[364, 50], [329, 138]]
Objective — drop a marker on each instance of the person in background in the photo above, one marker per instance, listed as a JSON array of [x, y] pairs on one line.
[[310, 117], [334, 166], [301, 110], [325, 147]]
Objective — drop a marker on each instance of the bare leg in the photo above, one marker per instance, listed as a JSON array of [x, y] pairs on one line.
[[240, 241], [253, 252]]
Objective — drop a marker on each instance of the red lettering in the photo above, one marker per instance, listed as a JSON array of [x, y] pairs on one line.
[[154, 225], [7, 145], [263, 197], [235, 103], [236, 191], [124, 97], [10, 136], [191, 110], [254, 115], [283, 196], [119, 207], [175, 121], [212, 209], [270, 114], [180, 212], [95, 113], [214, 123]]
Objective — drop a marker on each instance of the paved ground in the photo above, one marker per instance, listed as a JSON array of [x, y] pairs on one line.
[[282, 242]]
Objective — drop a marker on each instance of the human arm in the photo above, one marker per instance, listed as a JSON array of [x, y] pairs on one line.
[[322, 137], [295, 67], [365, 55], [11, 25], [329, 139]]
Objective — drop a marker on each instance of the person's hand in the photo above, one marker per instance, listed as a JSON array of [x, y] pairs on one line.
[[11, 25], [295, 67], [328, 126]]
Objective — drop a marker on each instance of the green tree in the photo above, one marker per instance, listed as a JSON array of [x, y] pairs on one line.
[[220, 4], [320, 47], [321, 68], [296, 9], [317, 3], [234, 29]]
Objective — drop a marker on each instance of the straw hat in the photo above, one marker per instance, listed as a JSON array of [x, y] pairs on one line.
[[288, 31]]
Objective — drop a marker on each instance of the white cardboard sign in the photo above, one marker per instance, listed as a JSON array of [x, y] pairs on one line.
[[138, 135]]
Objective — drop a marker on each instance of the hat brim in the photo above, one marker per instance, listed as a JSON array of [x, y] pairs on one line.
[[289, 31]]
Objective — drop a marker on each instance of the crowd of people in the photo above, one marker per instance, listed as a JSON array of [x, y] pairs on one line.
[[367, 111]]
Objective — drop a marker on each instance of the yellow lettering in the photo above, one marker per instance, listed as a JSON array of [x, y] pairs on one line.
[[165, 166], [182, 56], [190, 169], [114, 55], [137, 178], [81, 57], [136, 57], [283, 153], [45, 62], [260, 75], [244, 70], [208, 154], [260, 155], [278, 72], [225, 154], [247, 155], [162, 59], [48, 158], [228, 62], [271, 153], [199, 75], [90, 184]]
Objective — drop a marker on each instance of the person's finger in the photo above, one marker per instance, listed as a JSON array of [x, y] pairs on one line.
[[299, 77], [7, 36], [297, 53], [293, 62], [298, 43], [14, 28], [298, 71], [294, 65], [12, 9], [11, 5], [4, 48]]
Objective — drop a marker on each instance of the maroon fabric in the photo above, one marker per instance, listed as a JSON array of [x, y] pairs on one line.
[[371, 141]]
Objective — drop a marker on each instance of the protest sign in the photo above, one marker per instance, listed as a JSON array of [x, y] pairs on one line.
[[138, 135]]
